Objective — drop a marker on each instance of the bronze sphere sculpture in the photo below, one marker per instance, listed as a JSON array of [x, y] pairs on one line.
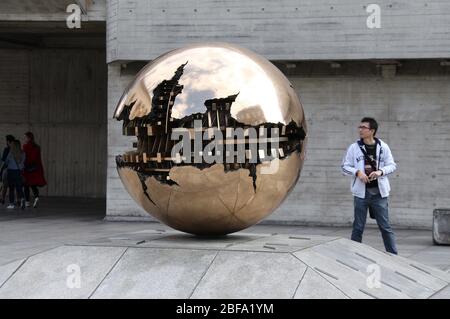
[[221, 138]]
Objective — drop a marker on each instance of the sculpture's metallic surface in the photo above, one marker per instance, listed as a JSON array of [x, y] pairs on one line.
[[226, 89]]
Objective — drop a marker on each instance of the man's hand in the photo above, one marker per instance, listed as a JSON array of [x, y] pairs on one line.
[[363, 177], [375, 175]]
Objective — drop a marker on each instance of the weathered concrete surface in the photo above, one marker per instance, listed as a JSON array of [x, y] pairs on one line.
[[251, 275], [441, 226], [314, 286], [280, 30], [156, 273], [6, 271], [351, 265], [442, 294], [154, 264], [52, 274]]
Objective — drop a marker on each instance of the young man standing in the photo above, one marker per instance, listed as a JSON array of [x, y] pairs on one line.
[[369, 160]]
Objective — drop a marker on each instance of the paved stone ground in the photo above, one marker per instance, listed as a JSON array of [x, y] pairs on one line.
[[60, 221], [170, 264]]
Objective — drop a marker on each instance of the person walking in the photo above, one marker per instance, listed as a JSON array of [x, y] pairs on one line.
[[34, 170], [369, 160], [14, 165], [3, 169]]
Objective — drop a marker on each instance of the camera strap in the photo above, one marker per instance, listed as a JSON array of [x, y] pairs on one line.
[[371, 162]]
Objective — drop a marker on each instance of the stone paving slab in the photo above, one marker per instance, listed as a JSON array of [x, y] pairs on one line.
[[406, 266], [156, 273], [251, 275], [413, 282], [442, 294], [315, 286], [6, 271], [350, 281], [52, 274]]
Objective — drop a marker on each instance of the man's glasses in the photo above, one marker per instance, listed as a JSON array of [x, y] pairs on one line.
[[361, 127]]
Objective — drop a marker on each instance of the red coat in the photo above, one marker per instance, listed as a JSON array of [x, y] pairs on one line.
[[34, 171]]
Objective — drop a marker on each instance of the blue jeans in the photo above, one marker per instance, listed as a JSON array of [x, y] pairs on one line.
[[379, 207]]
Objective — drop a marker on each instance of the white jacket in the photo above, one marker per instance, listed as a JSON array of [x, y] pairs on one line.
[[354, 161]]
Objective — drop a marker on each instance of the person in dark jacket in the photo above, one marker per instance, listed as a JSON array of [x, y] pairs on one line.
[[3, 170], [14, 164], [33, 170]]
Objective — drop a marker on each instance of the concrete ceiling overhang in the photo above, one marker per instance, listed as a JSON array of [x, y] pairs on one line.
[[50, 10]]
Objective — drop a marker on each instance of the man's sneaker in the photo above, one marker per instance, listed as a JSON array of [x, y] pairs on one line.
[[10, 206], [22, 203], [35, 204], [27, 204]]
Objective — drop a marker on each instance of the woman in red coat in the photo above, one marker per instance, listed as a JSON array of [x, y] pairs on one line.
[[33, 171]]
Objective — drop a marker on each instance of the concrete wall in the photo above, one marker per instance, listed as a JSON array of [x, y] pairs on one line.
[[414, 116], [281, 30], [60, 95], [413, 109], [118, 201]]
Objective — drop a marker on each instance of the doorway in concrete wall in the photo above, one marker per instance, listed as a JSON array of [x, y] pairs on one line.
[[53, 83]]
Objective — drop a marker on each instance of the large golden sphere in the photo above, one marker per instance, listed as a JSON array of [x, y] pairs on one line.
[[223, 89]]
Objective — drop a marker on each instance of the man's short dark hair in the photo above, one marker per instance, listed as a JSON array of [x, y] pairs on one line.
[[372, 123], [10, 138]]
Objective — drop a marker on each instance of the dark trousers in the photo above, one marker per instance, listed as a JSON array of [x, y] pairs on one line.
[[4, 177], [15, 183], [27, 192], [379, 206]]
